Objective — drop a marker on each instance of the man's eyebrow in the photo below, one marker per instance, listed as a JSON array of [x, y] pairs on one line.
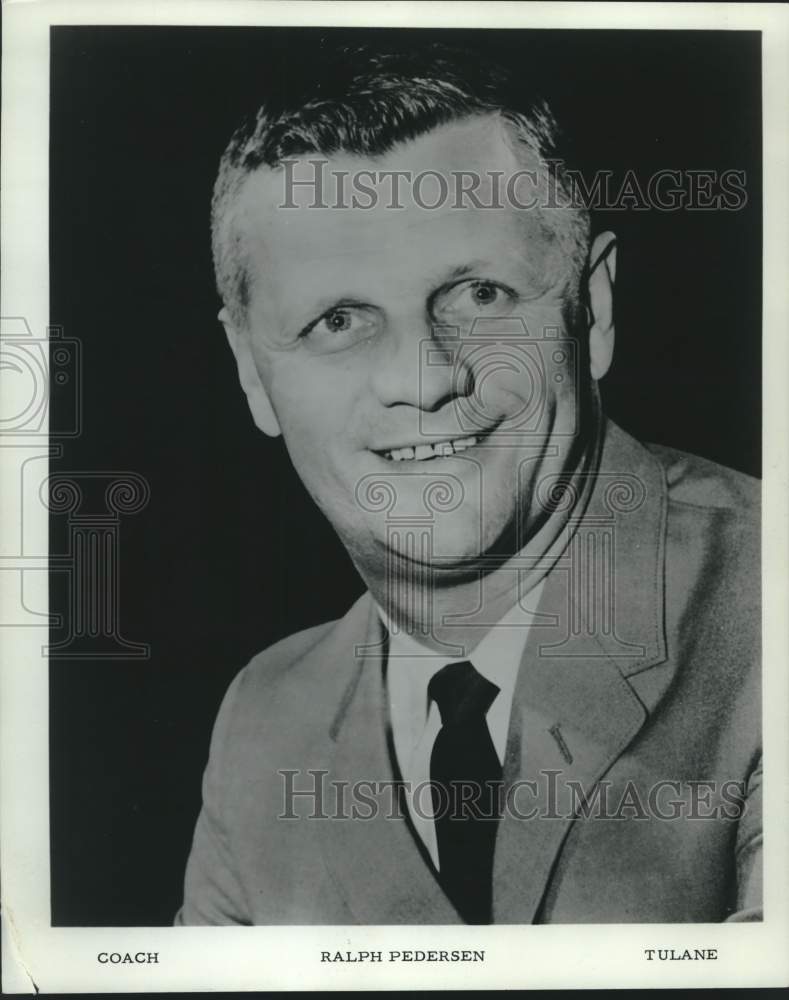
[[327, 302], [463, 270]]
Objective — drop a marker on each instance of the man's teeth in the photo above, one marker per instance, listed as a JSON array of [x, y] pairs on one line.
[[421, 452]]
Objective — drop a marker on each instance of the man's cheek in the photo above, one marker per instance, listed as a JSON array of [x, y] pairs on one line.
[[306, 445], [315, 446], [298, 412]]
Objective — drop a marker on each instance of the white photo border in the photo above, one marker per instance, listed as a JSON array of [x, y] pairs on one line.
[[64, 960]]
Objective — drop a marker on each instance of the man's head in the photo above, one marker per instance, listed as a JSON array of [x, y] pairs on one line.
[[366, 327], [366, 103]]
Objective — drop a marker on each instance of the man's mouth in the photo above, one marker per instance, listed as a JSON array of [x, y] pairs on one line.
[[423, 452]]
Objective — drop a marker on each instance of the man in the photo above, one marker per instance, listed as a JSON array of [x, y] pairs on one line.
[[546, 706]]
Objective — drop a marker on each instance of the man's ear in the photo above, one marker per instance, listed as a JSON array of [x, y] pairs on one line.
[[257, 397], [602, 272]]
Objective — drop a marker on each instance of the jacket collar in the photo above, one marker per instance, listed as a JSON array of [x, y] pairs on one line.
[[610, 578], [600, 621], [575, 710], [376, 862]]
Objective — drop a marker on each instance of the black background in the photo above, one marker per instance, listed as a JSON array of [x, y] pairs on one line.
[[230, 555]]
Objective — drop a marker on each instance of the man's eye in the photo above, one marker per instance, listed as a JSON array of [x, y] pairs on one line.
[[484, 293], [473, 298], [338, 322], [340, 328]]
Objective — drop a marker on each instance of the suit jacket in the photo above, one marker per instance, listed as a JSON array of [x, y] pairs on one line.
[[633, 758]]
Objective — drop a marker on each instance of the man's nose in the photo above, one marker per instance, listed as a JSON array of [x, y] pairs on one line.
[[421, 366]]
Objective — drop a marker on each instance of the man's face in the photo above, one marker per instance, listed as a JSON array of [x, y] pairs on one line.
[[425, 350]]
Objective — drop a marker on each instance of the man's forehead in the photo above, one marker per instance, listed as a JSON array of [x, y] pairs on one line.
[[458, 165], [478, 144], [452, 181]]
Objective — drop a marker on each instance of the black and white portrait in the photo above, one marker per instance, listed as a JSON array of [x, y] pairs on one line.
[[402, 478]]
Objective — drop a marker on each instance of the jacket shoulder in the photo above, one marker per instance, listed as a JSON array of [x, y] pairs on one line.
[[286, 677], [713, 548], [250, 702], [694, 481], [267, 667]]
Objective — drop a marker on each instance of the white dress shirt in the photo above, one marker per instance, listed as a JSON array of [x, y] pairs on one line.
[[416, 722]]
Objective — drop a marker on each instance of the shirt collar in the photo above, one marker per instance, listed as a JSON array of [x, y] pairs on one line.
[[412, 664]]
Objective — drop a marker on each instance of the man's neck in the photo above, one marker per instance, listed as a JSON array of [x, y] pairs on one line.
[[452, 619]]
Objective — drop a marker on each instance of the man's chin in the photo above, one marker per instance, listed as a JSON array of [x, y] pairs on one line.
[[435, 564], [430, 554]]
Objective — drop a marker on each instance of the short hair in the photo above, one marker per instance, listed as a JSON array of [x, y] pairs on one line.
[[365, 101]]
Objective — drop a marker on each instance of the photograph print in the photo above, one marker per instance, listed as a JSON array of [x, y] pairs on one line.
[[405, 510]]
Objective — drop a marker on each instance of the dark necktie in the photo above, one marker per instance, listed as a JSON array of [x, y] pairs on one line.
[[465, 776]]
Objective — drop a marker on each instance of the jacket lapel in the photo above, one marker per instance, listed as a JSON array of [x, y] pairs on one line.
[[376, 862], [574, 711]]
